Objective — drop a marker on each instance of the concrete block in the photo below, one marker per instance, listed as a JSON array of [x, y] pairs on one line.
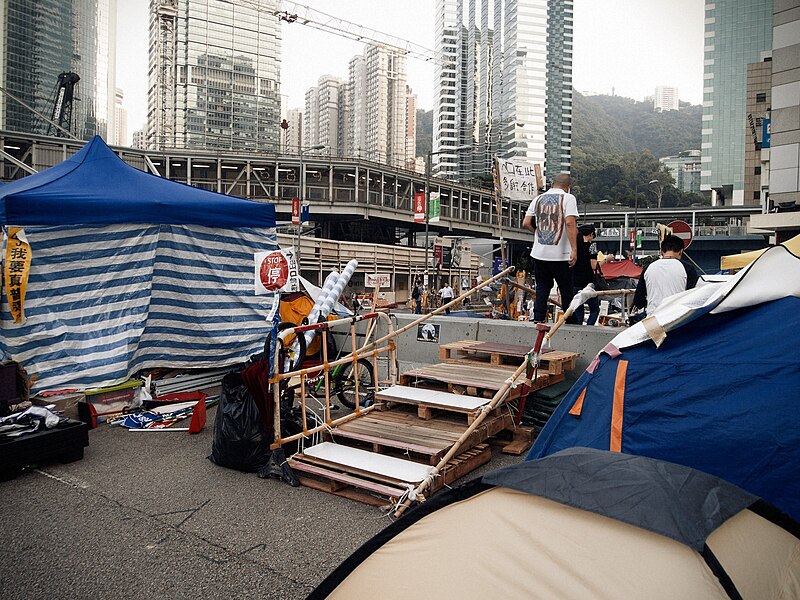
[[785, 16], [779, 6], [786, 137], [783, 180], [785, 34], [784, 59], [784, 157], [786, 95], [784, 77]]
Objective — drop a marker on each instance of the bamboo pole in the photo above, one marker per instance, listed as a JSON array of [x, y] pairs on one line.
[[499, 396]]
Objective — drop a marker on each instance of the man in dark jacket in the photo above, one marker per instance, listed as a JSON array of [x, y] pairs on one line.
[[583, 273]]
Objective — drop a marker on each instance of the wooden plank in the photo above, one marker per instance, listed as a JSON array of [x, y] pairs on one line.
[[416, 395], [520, 442], [386, 466], [347, 492], [464, 463]]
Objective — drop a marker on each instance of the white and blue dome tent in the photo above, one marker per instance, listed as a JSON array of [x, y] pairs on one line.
[[131, 271], [711, 380]]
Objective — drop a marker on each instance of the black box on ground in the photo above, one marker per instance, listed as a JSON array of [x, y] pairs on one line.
[[63, 443]]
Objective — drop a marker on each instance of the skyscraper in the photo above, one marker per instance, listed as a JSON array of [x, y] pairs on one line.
[[44, 38], [737, 32], [120, 137], [214, 75], [503, 85]]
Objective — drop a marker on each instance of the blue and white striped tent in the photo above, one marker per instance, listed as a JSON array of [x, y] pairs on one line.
[[131, 271]]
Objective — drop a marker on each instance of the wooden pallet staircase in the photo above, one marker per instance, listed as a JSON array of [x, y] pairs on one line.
[[377, 457]]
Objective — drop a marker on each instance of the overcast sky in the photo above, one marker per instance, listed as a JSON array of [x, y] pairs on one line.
[[630, 46]]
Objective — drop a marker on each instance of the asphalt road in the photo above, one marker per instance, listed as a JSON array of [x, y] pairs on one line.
[[146, 515]]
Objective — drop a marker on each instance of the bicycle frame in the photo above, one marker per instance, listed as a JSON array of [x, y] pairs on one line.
[[367, 349]]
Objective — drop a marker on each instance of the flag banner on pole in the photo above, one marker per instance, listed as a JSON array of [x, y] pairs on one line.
[[435, 207], [419, 208]]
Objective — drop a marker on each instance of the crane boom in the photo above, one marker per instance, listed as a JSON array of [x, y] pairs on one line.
[[293, 12]]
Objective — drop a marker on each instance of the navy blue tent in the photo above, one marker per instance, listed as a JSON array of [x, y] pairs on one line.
[[130, 271], [95, 186], [718, 392]]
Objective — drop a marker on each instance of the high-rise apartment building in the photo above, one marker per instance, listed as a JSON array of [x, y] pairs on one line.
[[411, 129], [44, 38], [214, 75], [503, 85], [736, 33], [685, 170], [292, 136], [321, 115], [666, 98], [120, 137], [370, 108]]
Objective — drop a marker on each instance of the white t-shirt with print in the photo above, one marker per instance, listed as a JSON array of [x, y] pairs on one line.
[[663, 278], [550, 211]]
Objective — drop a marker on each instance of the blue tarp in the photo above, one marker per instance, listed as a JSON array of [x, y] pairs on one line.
[[721, 394], [96, 187]]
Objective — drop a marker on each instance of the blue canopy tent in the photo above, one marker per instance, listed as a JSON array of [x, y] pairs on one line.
[[711, 382], [132, 271]]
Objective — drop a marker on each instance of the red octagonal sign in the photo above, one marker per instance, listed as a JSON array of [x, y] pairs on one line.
[[683, 230], [274, 271]]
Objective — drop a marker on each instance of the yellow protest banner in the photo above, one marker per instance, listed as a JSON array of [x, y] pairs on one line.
[[17, 269]]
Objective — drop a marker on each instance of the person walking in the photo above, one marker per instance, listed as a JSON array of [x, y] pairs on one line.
[[447, 295], [416, 296], [583, 272], [551, 217]]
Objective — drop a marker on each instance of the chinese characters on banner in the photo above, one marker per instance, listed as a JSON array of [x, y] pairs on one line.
[[374, 280], [518, 180], [17, 269], [295, 211], [276, 271], [435, 207], [419, 208]]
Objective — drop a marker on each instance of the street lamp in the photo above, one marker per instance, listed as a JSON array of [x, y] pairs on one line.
[[428, 191], [636, 211], [301, 150]]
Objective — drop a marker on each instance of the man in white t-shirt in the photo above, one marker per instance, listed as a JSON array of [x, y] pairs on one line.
[[447, 295], [551, 217], [662, 278]]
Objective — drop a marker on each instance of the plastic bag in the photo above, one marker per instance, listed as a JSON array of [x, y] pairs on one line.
[[240, 440]]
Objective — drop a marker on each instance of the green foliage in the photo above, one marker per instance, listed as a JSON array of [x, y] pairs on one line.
[[424, 132], [616, 143]]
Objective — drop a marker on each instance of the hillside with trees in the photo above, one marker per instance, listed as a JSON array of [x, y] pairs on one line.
[[616, 143]]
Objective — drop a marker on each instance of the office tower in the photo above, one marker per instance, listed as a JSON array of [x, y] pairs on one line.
[[736, 34], [685, 170], [41, 40], [759, 78], [666, 98], [214, 75], [321, 115], [503, 85], [292, 136], [784, 161], [120, 137]]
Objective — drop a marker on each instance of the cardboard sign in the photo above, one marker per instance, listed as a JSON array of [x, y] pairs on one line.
[[518, 180], [276, 272], [383, 280]]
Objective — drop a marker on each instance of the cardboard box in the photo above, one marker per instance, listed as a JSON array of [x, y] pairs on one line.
[[65, 404]]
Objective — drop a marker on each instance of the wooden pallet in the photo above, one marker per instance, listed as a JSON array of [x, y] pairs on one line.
[[377, 489], [473, 379], [427, 401], [496, 354], [401, 432]]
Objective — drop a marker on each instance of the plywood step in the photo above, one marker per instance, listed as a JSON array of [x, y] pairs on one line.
[[494, 353], [427, 400], [472, 379]]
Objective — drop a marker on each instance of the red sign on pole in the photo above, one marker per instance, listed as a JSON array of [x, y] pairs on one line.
[[683, 230], [295, 211], [633, 239], [419, 208]]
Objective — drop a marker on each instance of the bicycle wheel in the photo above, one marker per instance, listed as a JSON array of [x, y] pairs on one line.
[[346, 383]]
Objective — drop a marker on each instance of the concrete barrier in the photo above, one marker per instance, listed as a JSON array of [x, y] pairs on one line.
[[588, 341]]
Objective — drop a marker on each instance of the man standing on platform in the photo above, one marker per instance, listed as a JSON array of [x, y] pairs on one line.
[[551, 217]]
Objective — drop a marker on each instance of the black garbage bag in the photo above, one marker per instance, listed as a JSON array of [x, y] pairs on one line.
[[240, 441]]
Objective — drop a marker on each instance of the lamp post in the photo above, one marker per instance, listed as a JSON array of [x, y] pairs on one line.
[[428, 192], [300, 150], [636, 211]]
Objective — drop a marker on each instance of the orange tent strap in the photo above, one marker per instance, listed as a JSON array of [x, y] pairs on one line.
[[618, 407], [578, 406]]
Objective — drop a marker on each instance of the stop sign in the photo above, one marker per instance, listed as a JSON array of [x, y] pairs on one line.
[[683, 230]]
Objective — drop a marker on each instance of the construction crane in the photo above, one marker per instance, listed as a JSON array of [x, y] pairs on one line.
[[62, 105], [292, 12]]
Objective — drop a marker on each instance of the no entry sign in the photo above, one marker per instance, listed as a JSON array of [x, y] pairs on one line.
[[683, 230]]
